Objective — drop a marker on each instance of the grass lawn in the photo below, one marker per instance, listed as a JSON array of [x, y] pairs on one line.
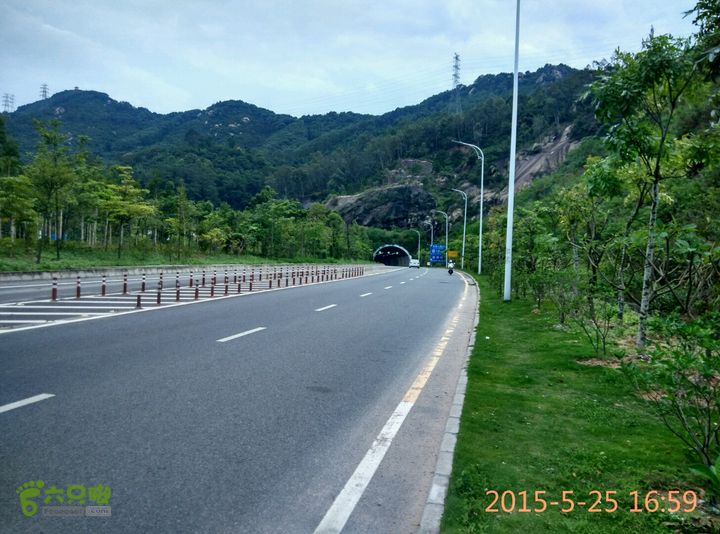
[[535, 419]]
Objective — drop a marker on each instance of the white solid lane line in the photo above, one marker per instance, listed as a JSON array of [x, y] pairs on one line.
[[388, 287], [241, 334], [366, 294], [29, 400], [326, 307], [51, 313]]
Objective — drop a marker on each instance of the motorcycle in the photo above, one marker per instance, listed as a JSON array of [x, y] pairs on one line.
[[450, 270]]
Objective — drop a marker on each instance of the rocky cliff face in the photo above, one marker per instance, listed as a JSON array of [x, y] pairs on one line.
[[400, 206]]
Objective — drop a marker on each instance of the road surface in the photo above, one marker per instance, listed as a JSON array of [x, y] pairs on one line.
[[246, 414]]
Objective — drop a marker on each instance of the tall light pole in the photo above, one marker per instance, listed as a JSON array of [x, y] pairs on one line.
[[462, 254], [511, 178], [446, 235], [432, 240], [418, 233], [481, 157]]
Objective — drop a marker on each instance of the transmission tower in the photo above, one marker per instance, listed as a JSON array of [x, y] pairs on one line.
[[457, 108], [44, 91], [8, 102]]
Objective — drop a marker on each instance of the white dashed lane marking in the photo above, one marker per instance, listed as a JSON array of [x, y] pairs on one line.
[[25, 402], [242, 334]]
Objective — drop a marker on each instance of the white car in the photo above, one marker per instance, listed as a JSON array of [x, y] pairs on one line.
[[414, 263]]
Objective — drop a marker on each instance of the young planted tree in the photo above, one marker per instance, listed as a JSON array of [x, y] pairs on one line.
[[52, 175], [638, 96], [126, 204]]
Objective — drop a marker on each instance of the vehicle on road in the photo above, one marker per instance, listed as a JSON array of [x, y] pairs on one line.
[[451, 267], [414, 263]]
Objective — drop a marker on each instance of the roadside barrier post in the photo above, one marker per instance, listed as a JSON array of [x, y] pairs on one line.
[[161, 281], [212, 290], [203, 278], [226, 276], [77, 288], [214, 278], [177, 294], [159, 293], [197, 292], [191, 278], [138, 304], [177, 279], [142, 286], [125, 288], [227, 288], [103, 287], [53, 294]]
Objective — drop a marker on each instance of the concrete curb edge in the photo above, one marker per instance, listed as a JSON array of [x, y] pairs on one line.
[[435, 504]]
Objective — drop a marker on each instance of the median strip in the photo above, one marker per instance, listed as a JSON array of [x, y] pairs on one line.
[[25, 402], [241, 334]]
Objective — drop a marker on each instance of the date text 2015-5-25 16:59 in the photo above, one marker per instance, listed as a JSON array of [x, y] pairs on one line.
[[594, 501]]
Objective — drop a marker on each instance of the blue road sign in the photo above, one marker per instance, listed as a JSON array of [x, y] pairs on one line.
[[437, 253]]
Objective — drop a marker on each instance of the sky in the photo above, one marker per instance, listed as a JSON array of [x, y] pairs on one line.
[[304, 57]]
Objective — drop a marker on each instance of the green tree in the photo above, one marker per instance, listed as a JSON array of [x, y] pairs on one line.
[[126, 203], [638, 96], [52, 175]]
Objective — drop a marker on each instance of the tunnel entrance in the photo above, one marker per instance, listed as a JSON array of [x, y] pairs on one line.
[[394, 255]]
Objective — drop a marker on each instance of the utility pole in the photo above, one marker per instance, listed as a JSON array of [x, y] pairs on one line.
[[44, 91], [8, 102], [457, 108]]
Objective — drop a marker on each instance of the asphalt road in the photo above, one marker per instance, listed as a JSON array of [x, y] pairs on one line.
[[254, 433]]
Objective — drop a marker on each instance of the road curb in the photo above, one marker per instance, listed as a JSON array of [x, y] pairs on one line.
[[435, 504]]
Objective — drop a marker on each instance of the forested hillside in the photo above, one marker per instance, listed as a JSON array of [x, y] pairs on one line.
[[229, 151]]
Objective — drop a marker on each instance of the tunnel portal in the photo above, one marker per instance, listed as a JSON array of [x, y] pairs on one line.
[[394, 255]]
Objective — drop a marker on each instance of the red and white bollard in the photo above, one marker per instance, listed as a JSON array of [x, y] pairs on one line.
[[54, 292]]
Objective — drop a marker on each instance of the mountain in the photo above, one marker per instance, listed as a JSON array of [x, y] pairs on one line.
[[229, 151]]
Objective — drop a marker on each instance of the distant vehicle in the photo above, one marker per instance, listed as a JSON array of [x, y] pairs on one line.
[[414, 263]]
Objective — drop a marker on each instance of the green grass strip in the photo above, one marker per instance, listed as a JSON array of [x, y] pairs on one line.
[[535, 419]]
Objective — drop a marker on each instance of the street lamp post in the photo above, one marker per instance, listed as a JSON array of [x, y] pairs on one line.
[[418, 250], [431, 241], [511, 177], [432, 237], [462, 254], [481, 157], [446, 235]]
